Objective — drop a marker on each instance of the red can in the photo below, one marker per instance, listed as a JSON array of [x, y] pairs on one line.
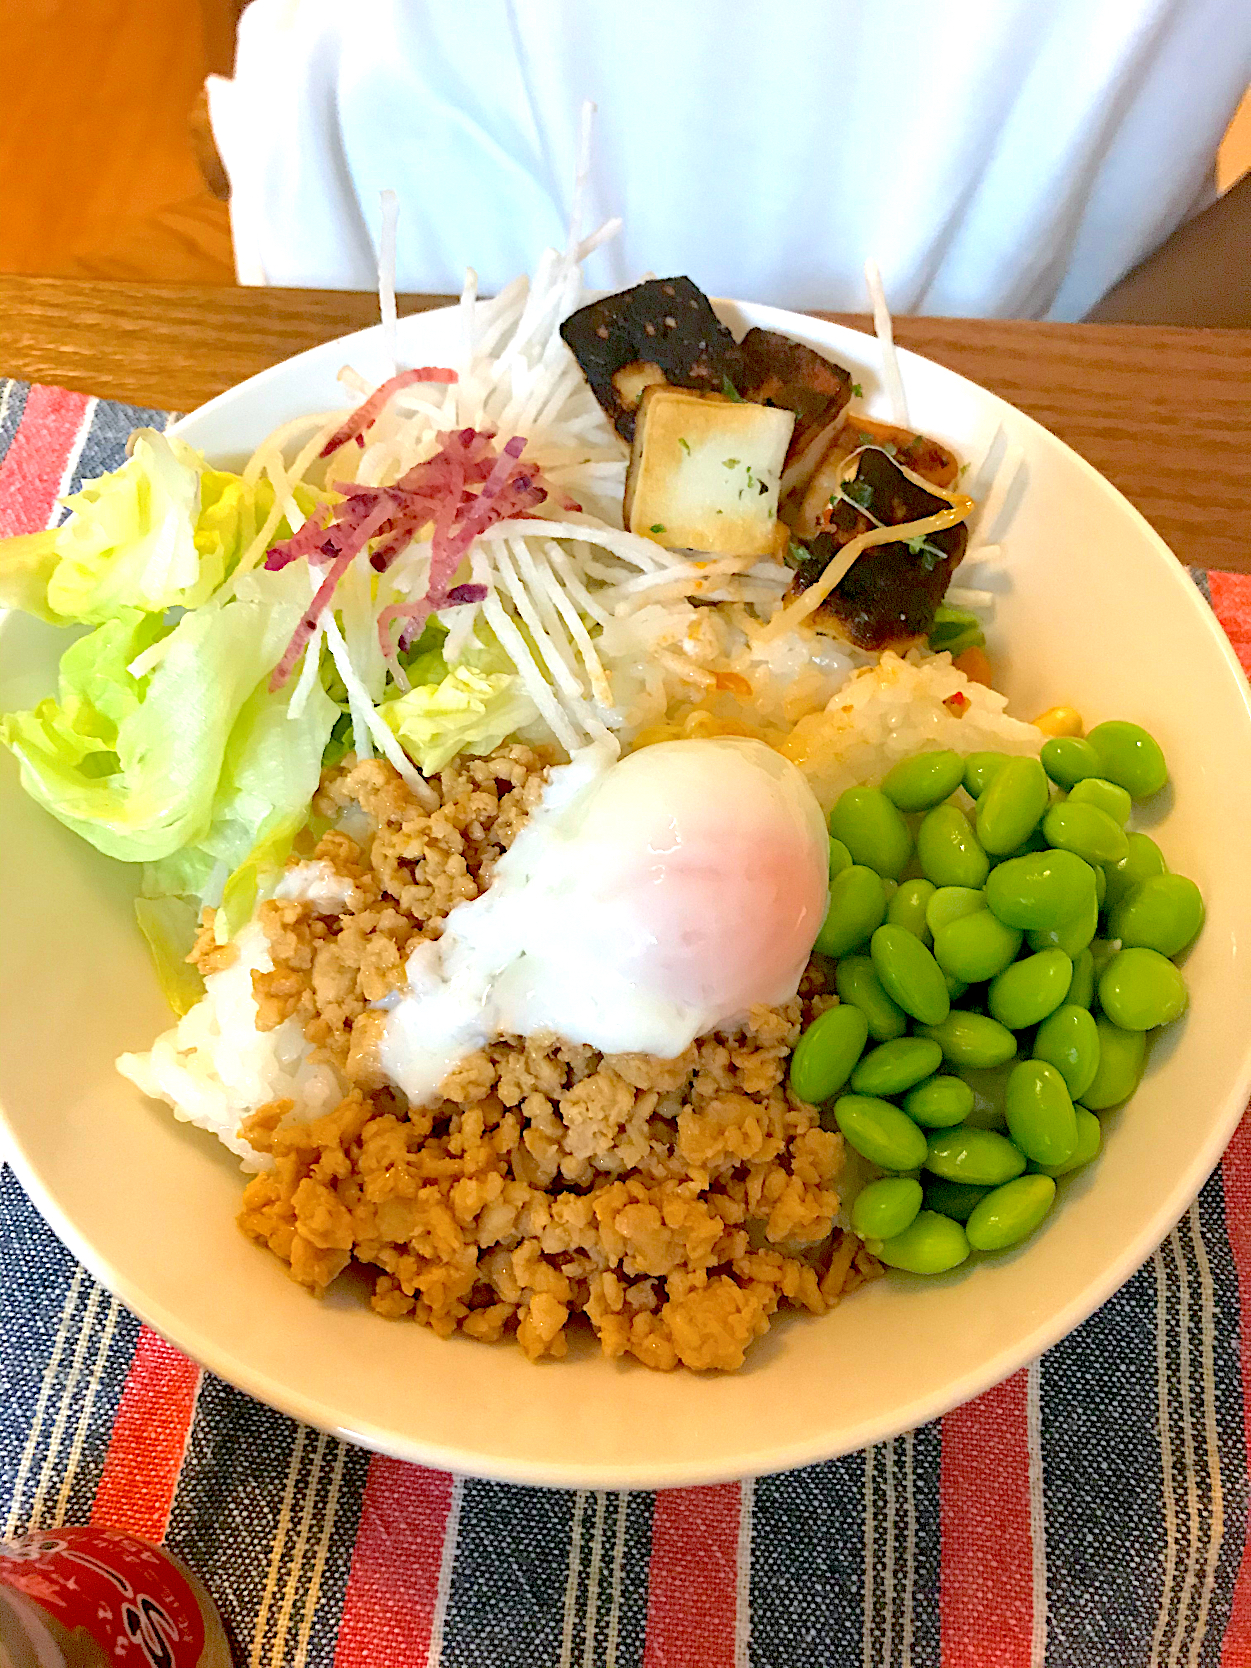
[[86, 1598]]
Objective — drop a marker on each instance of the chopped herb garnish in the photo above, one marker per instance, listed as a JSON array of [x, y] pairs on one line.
[[929, 553], [684, 443], [860, 492], [658, 526], [962, 471], [857, 392], [730, 391], [729, 463], [796, 554]]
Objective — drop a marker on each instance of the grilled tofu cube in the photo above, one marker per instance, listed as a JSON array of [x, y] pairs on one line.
[[662, 331], [704, 472]]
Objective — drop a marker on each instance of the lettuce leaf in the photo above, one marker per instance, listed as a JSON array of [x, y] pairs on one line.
[[169, 927], [466, 708], [162, 531], [145, 767]]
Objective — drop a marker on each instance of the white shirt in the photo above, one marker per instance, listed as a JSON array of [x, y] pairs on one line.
[[1008, 158]]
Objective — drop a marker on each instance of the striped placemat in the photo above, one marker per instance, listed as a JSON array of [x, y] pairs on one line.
[[1091, 1512]]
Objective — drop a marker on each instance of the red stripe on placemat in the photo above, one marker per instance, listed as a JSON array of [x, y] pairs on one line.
[[1236, 1184], [692, 1582], [145, 1454], [34, 465], [986, 1601], [1231, 601], [393, 1587]]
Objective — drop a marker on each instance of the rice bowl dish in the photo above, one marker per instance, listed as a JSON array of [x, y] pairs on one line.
[[891, 706]]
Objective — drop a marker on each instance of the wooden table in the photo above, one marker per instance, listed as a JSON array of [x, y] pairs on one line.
[[1164, 414]]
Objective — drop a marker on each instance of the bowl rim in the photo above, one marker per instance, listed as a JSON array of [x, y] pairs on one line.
[[778, 1456]]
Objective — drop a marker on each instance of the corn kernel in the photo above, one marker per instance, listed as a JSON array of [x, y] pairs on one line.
[[1059, 721]]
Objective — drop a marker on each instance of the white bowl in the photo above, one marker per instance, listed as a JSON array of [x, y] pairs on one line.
[[1097, 613]]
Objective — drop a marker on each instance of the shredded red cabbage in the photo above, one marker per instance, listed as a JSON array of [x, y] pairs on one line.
[[466, 487], [367, 414]]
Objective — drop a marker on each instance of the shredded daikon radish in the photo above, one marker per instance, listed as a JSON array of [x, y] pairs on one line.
[[886, 340], [964, 596], [997, 493], [386, 276]]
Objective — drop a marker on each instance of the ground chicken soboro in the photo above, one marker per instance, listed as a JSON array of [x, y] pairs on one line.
[[674, 1203]]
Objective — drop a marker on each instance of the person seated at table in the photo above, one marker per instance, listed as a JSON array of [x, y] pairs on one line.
[[996, 157]]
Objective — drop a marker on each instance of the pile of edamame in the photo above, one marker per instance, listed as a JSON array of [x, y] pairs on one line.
[[1028, 945]]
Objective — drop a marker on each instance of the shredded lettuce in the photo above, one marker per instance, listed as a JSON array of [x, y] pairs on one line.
[[146, 767], [163, 531], [469, 707]]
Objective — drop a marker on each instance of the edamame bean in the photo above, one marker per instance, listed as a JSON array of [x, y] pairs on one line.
[[954, 1199], [939, 1102], [857, 984], [956, 988], [880, 1132], [948, 850], [1068, 1039], [826, 1053], [932, 1245], [893, 1067], [980, 1156], [1122, 1055], [1129, 757], [1085, 829], [910, 976], [1069, 760], [1145, 859], [1140, 989], [1012, 806], [1101, 952], [1101, 885], [840, 857], [1043, 890], [872, 830], [980, 770], [972, 1040], [1162, 914], [1031, 989], [949, 903], [1112, 800], [907, 909], [989, 1088], [885, 1208], [1074, 935], [1040, 1113], [1082, 990], [976, 947], [1010, 1213], [924, 780], [1089, 1141], [856, 909]]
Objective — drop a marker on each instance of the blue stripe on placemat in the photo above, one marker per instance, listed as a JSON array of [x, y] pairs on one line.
[[12, 408], [514, 1556], [1121, 1557], [64, 1347], [808, 1567], [255, 1518]]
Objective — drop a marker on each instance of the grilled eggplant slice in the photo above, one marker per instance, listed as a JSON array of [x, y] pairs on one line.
[[662, 331], [779, 371], [704, 473], [916, 452], [888, 598]]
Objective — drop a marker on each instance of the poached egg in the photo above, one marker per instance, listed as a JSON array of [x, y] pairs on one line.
[[648, 900]]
